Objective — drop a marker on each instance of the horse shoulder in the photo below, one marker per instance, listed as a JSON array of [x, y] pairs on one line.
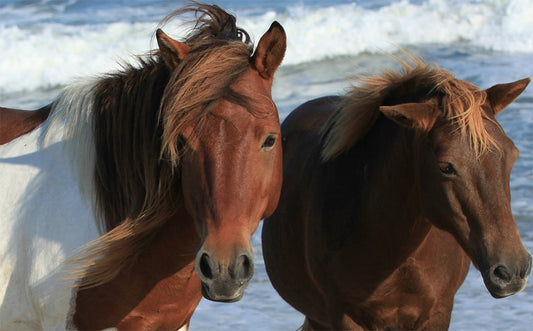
[[445, 264], [432, 275], [419, 292]]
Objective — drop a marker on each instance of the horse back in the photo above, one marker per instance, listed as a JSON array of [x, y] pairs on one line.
[[15, 122], [301, 132], [310, 116]]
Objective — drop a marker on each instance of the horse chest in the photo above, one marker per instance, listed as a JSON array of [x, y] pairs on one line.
[[414, 295], [403, 300], [160, 291], [169, 305]]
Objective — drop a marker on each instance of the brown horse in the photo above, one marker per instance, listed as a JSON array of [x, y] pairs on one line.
[[179, 157], [389, 192]]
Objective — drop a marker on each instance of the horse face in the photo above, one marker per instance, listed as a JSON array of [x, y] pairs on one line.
[[231, 174], [467, 193], [475, 197], [232, 178], [475, 206]]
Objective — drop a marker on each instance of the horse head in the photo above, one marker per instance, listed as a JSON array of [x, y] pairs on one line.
[[231, 167], [465, 180]]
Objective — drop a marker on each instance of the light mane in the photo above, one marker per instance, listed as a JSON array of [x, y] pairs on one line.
[[202, 79], [72, 111], [416, 81], [220, 54]]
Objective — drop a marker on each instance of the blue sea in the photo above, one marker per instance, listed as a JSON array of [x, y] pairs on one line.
[[46, 44]]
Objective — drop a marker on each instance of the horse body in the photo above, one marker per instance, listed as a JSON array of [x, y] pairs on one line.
[[363, 271], [170, 158], [377, 234]]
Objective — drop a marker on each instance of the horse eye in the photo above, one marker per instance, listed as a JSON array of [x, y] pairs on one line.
[[447, 168], [269, 141]]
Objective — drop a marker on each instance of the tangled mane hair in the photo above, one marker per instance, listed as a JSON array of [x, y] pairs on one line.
[[204, 76], [417, 81], [139, 115]]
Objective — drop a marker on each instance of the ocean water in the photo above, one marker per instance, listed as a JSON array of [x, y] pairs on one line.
[[46, 44]]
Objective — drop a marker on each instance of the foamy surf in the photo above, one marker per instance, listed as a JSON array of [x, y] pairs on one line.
[[46, 48]]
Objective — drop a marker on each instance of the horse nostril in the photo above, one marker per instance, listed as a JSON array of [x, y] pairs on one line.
[[527, 270], [244, 267], [205, 266], [502, 273]]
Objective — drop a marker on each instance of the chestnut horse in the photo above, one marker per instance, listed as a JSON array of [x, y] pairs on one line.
[[389, 192], [174, 159]]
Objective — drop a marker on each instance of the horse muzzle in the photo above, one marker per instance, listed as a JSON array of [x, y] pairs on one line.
[[502, 280], [224, 281]]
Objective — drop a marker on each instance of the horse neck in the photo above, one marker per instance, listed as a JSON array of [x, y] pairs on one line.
[[390, 211], [127, 132], [162, 276]]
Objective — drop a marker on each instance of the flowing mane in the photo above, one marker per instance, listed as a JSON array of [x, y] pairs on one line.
[[461, 103], [179, 100], [137, 116]]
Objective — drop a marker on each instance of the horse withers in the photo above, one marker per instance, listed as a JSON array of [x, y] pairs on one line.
[[175, 159], [388, 193]]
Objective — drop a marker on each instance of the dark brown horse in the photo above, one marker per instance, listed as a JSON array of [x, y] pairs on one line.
[[179, 157], [389, 192]]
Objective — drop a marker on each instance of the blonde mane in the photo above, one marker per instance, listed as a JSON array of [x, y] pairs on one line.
[[461, 103], [202, 79]]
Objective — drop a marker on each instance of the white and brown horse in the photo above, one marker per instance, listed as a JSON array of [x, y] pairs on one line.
[[162, 170]]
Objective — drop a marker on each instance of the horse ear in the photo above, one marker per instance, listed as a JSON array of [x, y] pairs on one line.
[[173, 51], [270, 51], [501, 95], [413, 115]]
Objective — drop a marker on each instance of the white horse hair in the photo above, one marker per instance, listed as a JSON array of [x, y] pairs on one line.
[[46, 192]]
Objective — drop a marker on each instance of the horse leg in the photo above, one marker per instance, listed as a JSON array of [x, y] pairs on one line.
[[440, 317]]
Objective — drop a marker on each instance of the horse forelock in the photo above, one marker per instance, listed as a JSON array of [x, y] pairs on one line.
[[220, 54], [461, 104], [202, 79]]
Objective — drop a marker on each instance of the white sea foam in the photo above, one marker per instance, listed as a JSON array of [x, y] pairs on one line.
[[350, 29], [43, 52]]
